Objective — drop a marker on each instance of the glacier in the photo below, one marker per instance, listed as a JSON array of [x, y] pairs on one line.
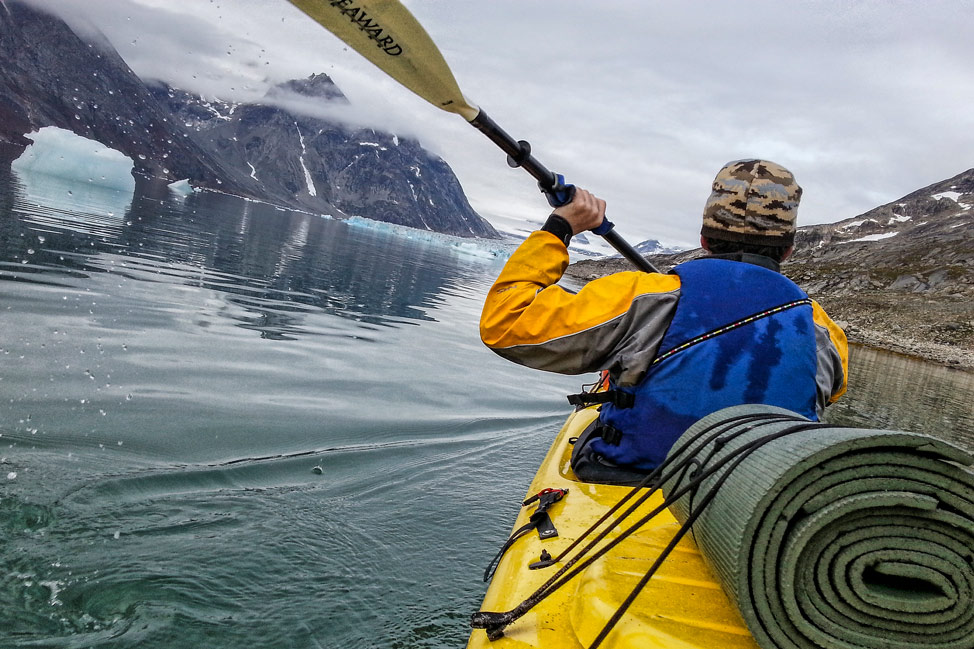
[[481, 250]]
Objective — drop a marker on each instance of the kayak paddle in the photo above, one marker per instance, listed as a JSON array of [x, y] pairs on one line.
[[384, 32]]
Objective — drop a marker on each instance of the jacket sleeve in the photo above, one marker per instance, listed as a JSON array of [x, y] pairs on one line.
[[833, 357], [615, 322]]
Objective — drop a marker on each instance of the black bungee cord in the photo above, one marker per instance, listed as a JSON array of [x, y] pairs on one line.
[[658, 477], [739, 456]]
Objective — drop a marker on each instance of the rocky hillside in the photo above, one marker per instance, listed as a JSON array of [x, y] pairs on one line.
[[52, 77], [307, 162], [899, 277]]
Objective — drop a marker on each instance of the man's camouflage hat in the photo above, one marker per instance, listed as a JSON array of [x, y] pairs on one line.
[[753, 201]]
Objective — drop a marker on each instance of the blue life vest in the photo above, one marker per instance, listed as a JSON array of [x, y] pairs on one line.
[[762, 358]]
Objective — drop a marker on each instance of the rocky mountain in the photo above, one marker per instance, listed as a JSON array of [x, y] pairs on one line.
[[654, 247], [900, 276], [307, 162], [920, 243], [52, 77]]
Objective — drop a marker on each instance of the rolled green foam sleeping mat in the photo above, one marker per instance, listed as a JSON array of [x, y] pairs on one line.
[[833, 537]]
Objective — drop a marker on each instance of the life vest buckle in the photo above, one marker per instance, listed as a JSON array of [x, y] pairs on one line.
[[609, 434]]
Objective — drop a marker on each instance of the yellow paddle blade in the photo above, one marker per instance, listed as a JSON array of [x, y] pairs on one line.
[[384, 32]]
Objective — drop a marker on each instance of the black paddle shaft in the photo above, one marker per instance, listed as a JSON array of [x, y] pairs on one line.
[[519, 155]]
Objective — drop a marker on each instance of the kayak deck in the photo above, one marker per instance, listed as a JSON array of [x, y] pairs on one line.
[[682, 606]]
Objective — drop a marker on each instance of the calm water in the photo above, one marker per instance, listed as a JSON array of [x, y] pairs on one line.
[[224, 425]]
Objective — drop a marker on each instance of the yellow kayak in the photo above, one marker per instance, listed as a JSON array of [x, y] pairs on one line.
[[681, 607]]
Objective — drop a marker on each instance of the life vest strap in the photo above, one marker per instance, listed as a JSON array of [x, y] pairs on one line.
[[618, 398]]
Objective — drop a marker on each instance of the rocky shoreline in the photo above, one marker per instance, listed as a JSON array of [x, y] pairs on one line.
[[939, 331]]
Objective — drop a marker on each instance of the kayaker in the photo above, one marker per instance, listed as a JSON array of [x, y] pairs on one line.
[[722, 330]]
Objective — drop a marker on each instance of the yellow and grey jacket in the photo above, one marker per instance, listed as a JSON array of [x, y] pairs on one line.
[[637, 325]]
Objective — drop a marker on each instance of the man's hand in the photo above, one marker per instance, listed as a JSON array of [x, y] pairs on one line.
[[585, 212]]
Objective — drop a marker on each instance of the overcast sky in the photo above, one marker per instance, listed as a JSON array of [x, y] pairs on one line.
[[639, 101]]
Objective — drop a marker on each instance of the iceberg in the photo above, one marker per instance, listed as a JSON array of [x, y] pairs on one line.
[[181, 188], [63, 154], [79, 183]]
